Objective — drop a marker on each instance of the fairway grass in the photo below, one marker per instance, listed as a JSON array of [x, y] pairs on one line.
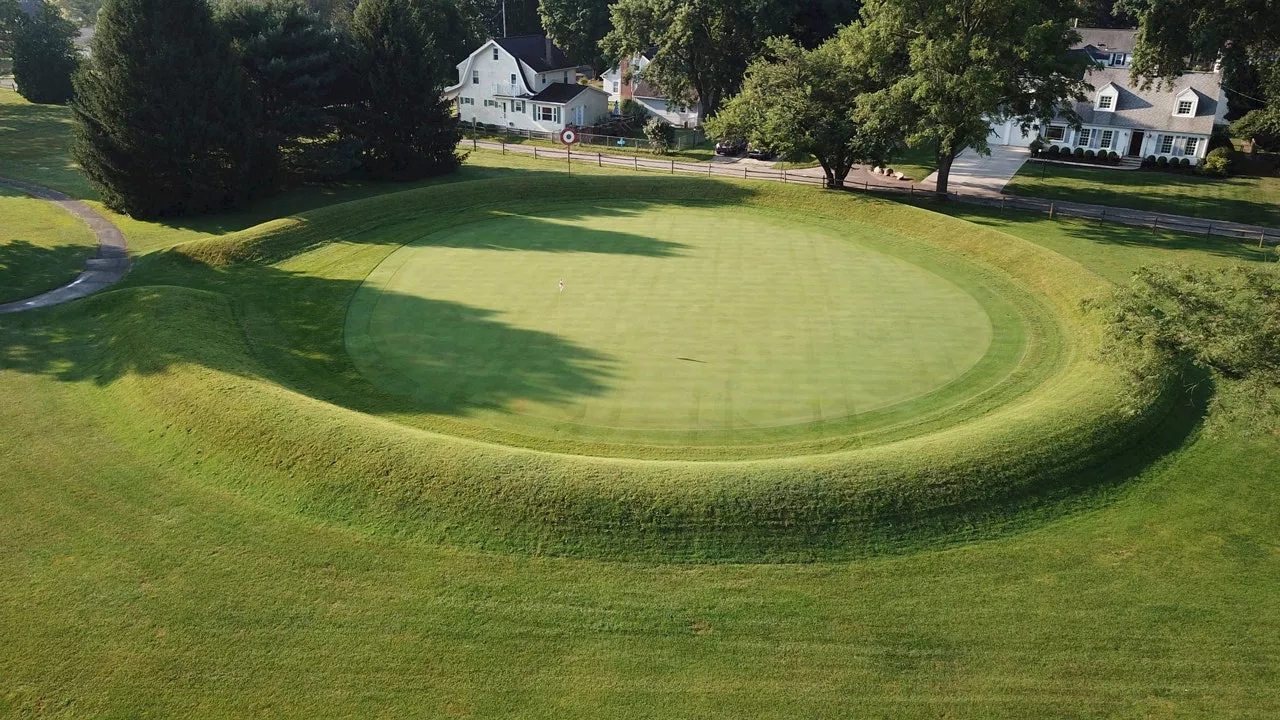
[[713, 319], [181, 535]]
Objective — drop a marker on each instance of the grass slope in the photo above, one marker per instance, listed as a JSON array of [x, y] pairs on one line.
[[136, 585], [41, 246], [1252, 200]]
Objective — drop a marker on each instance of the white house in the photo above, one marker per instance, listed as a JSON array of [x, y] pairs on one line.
[[1121, 117], [524, 83], [625, 81]]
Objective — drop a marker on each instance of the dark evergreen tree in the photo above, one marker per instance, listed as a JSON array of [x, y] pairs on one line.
[[407, 129], [10, 15], [162, 111], [45, 56], [294, 65]]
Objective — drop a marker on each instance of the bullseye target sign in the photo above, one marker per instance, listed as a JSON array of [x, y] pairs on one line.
[[569, 136]]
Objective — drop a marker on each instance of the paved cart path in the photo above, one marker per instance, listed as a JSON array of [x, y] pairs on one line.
[[106, 268], [978, 182]]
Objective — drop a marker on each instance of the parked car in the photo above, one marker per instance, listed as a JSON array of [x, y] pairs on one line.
[[756, 153], [731, 146]]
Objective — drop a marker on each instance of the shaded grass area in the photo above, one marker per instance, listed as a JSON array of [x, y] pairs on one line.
[[1244, 199], [41, 246]]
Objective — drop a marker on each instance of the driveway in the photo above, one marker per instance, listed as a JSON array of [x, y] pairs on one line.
[[974, 174]]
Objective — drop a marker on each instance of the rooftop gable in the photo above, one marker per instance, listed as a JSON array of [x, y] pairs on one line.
[[536, 51]]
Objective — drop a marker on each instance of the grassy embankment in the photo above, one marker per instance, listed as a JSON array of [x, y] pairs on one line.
[[138, 585]]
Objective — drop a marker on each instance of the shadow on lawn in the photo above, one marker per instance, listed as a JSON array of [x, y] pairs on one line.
[[27, 269], [263, 321]]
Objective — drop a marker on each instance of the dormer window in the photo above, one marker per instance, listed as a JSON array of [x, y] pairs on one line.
[[1108, 97], [1184, 105]]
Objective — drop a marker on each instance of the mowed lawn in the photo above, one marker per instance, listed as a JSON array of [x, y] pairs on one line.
[[1245, 199], [670, 318], [42, 246], [134, 587]]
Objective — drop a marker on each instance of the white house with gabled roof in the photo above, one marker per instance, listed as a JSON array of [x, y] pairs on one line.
[[524, 83], [1121, 116], [625, 81]]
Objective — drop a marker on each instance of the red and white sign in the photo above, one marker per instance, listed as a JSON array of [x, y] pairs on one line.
[[569, 136]]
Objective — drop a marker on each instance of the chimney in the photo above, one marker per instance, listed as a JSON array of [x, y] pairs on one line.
[[548, 50]]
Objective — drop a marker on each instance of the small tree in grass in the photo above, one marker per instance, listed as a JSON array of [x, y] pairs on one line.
[[162, 113], [44, 56], [661, 135], [817, 102]]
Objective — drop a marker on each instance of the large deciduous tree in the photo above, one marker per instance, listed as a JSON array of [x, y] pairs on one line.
[[577, 27], [968, 62], [10, 16], [819, 102], [703, 46], [162, 112], [408, 130], [45, 56]]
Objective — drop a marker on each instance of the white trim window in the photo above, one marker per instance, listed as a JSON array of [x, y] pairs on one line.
[[1056, 133], [1105, 102], [495, 53], [517, 106], [1166, 144], [1184, 107], [475, 77], [548, 113], [1085, 136], [1108, 139], [466, 101], [1189, 148]]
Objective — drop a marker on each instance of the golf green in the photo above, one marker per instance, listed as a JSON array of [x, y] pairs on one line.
[[671, 318]]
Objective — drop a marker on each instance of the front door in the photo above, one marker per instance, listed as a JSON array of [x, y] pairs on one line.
[[1135, 144]]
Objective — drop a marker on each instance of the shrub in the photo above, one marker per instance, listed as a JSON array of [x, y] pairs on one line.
[[1114, 157], [1037, 145], [1088, 154], [1217, 163], [1149, 161], [1079, 152], [1053, 151], [1184, 162], [661, 135], [1162, 161], [44, 56]]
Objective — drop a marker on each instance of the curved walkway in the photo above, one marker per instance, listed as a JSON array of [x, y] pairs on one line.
[[110, 264]]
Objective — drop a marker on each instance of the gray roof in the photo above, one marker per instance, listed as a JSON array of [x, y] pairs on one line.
[[537, 52], [1107, 41], [559, 93], [1152, 109]]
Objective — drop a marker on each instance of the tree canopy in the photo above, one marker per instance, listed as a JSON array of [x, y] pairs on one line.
[[819, 102], [45, 56], [577, 27], [961, 64], [407, 129], [162, 112], [703, 46]]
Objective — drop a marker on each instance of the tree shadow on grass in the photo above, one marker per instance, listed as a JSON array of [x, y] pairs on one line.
[[27, 269], [269, 322]]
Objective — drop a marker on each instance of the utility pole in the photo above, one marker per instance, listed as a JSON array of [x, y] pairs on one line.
[[504, 18]]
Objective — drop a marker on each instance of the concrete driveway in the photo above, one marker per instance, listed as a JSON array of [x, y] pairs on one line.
[[974, 174]]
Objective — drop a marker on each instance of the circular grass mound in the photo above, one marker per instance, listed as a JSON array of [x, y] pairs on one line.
[[303, 424], [675, 324]]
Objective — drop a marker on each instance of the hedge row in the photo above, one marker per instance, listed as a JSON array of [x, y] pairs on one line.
[[312, 456]]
